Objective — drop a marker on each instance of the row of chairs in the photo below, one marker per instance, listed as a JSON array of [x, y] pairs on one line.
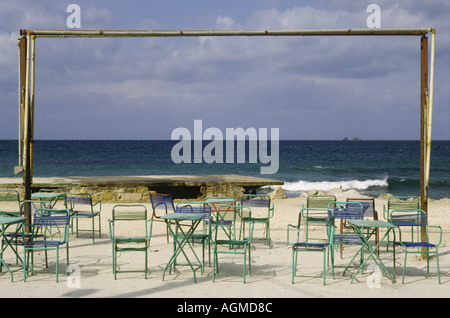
[[400, 211], [219, 223]]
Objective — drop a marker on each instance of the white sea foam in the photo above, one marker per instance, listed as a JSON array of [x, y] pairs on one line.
[[329, 185]]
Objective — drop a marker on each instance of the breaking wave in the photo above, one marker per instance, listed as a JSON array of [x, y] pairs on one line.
[[329, 185]]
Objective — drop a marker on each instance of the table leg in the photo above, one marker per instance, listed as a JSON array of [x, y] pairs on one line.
[[372, 253], [180, 245], [8, 243]]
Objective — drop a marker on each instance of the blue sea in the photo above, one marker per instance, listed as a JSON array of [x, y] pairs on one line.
[[370, 167]]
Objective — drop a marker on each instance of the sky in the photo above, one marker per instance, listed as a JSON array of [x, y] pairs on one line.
[[310, 88]]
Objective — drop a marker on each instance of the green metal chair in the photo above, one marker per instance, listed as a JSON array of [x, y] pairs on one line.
[[223, 244], [400, 203], [50, 231], [317, 201], [228, 225], [21, 236], [81, 207], [123, 214], [262, 210], [415, 218], [13, 198], [322, 222]]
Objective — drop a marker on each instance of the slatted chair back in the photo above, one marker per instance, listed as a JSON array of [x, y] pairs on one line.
[[216, 202], [129, 212], [194, 207], [260, 205], [400, 203], [9, 202], [46, 220], [81, 203], [318, 220], [161, 203], [346, 210], [370, 211], [408, 217], [319, 201], [51, 217]]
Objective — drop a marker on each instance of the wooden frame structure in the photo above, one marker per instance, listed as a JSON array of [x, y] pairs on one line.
[[27, 82]]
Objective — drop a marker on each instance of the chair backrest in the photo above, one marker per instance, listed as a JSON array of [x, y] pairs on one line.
[[31, 206], [227, 212], [416, 217], [260, 204], [403, 203], [129, 212], [9, 200], [78, 202], [370, 211], [47, 219], [163, 202], [215, 202], [51, 217], [319, 201], [346, 210], [194, 207], [319, 220], [255, 200]]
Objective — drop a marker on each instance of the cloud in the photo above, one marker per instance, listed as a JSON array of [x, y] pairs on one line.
[[310, 87]]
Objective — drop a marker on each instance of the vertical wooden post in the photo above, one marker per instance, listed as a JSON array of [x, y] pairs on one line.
[[423, 126], [27, 177]]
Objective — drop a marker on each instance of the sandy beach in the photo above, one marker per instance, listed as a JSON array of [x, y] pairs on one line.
[[271, 268]]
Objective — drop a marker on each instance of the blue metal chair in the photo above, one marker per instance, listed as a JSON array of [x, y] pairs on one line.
[[347, 211], [415, 218], [161, 204], [140, 242], [400, 203], [233, 245], [81, 207], [322, 221], [261, 206], [50, 221]]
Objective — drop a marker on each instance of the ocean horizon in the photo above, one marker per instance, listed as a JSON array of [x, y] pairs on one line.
[[371, 167]]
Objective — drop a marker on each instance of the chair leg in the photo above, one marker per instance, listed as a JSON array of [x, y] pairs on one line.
[[57, 263], [404, 267], [294, 263], [437, 264]]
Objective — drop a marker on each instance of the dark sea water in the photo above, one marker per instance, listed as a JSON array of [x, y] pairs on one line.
[[370, 167]]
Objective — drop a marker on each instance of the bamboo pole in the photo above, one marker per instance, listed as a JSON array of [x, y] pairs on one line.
[[31, 136], [430, 110], [187, 33], [423, 128], [26, 151]]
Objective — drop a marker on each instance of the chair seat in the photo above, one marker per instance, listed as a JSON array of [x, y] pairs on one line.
[[84, 214], [314, 245], [130, 240], [416, 244], [231, 242], [347, 239], [196, 236], [221, 223], [42, 244], [256, 220]]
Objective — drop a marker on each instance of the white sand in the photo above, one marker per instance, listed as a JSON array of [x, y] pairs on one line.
[[271, 268]]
